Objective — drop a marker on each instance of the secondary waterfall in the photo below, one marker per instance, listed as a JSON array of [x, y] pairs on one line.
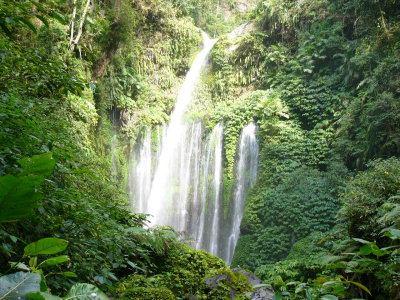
[[246, 175], [176, 174]]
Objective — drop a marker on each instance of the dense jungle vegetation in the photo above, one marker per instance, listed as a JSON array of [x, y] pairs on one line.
[[79, 80]]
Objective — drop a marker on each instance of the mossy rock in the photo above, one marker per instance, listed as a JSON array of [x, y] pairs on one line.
[[133, 281], [185, 268], [198, 261], [144, 293], [226, 284], [182, 273]]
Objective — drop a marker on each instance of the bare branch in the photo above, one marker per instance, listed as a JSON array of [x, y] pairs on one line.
[[80, 30]]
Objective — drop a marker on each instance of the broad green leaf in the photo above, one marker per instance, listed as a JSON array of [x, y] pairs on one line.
[[134, 266], [85, 291], [329, 297], [69, 274], [13, 238], [18, 284], [321, 280], [361, 241], [54, 261], [277, 296], [38, 5], [18, 197], [329, 283], [20, 266], [365, 250], [393, 233], [33, 262], [379, 252], [28, 23], [42, 164], [59, 17], [43, 19], [261, 285], [5, 29], [46, 246], [300, 288], [42, 296], [361, 286]]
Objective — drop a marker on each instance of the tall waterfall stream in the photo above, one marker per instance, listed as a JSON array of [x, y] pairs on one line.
[[176, 175]]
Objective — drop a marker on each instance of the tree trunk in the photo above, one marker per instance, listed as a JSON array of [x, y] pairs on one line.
[[80, 29]]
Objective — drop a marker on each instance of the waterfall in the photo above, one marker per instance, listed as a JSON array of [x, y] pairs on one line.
[[162, 193], [114, 145], [210, 196], [141, 167], [217, 178], [246, 174], [142, 172], [179, 181]]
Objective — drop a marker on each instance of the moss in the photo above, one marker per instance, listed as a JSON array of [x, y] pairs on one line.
[[185, 269], [141, 293], [232, 285], [243, 248], [183, 272]]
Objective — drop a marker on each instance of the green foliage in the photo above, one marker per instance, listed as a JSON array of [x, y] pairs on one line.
[[82, 291], [143, 75], [148, 294], [368, 196], [214, 17], [32, 72], [19, 195], [371, 266], [184, 272], [45, 246], [229, 284], [263, 106], [85, 291], [330, 67], [334, 69], [13, 14], [305, 200], [32, 284], [186, 268]]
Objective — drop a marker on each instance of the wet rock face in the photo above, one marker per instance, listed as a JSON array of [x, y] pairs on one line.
[[213, 282], [261, 293]]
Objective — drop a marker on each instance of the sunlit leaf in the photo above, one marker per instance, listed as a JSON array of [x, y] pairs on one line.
[[85, 291], [42, 296], [42, 164], [46, 246], [329, 297], [28, 23], [54, 261], [360, 285], [59, 17], [69, 274]]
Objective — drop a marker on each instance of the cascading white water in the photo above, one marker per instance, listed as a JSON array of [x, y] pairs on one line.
[[141, 168], [162, 193], [217, 178], [210, 196], [180, 180], [142, 173], [246, 175]]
